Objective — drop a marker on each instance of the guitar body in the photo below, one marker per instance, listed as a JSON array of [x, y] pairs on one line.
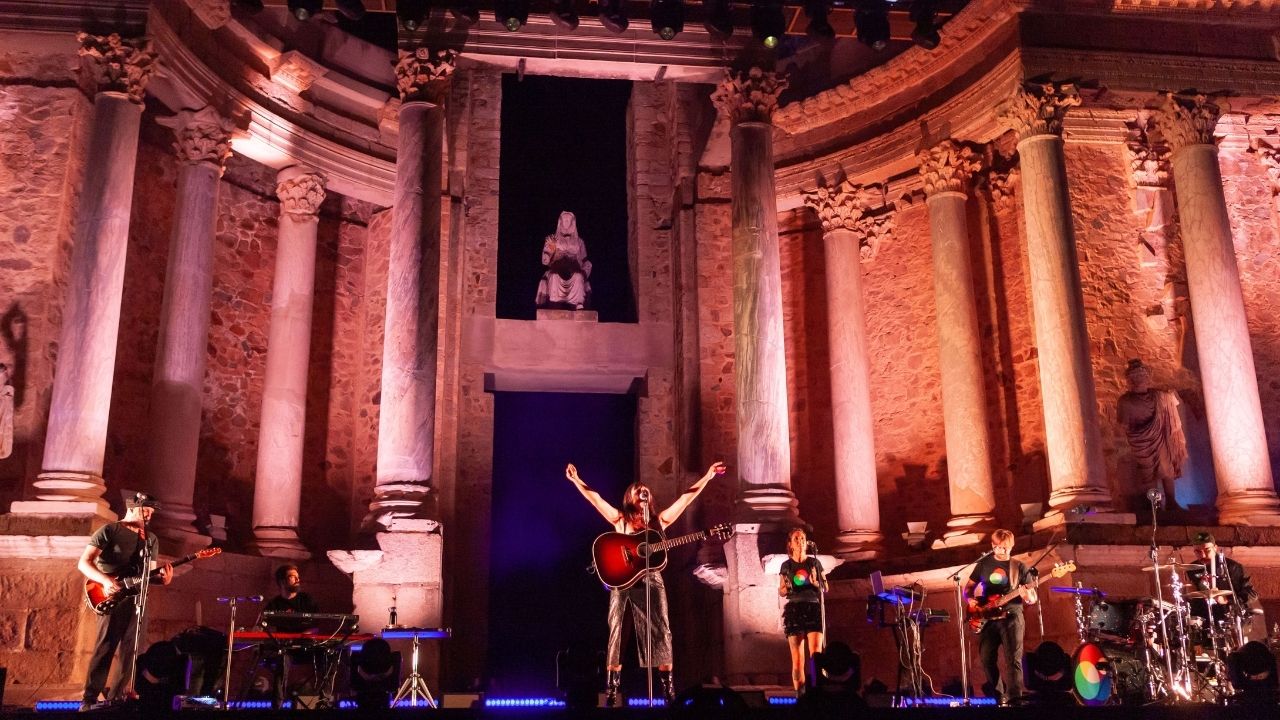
[[102, 602], [996, 607], [620, 557], [978, 616]]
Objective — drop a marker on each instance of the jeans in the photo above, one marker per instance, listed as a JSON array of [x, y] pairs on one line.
[[1007, 633]]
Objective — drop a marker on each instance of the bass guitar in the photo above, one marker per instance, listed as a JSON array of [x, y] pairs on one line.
[[977, 614], [103, 602], [621, 558]]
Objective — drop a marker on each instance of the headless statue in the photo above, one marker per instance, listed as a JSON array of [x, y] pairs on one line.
[[565, 257], [1151, 423]]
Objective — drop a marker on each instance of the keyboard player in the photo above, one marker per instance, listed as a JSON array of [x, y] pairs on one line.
[[291, 599], [286, 662]]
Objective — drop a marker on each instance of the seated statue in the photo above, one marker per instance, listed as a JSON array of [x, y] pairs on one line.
[[1150, 420], [565, 257]]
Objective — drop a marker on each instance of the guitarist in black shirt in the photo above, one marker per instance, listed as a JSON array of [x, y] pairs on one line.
[[114, 554], [994, 577]]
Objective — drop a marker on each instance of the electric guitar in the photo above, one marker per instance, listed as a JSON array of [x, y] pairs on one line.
[[620, 558], [103, 602], [977, 614]]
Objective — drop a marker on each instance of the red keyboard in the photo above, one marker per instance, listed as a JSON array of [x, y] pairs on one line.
[[301, 638]]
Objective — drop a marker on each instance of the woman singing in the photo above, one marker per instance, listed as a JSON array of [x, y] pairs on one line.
[[802, 583]]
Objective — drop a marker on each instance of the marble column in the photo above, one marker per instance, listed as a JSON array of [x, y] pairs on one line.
[[177, 387], [277, 489], [843, 210], [947, 169], [764, 451], [1246, 491], [70, 480], [406, 421], [1074, 442]]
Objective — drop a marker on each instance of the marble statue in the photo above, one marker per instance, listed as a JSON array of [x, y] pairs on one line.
[[6, 412], [565, 257], [1151, 423]]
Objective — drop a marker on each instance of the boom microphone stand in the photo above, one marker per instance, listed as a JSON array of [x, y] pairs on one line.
[[822, 596], [139, 609], [648, 598], [961, 625]]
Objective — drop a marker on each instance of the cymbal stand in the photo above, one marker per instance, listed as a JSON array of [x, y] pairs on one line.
[[1081, 630], [1162, 629], [1180, 683]]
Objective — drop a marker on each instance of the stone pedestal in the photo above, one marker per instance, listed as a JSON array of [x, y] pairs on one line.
[[406, 572], [755, 650]]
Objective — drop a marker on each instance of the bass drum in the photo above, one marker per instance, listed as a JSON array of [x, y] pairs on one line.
[[1103, 677]]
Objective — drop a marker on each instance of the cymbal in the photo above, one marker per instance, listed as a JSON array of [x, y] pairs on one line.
[[1093, 592], [1173, 566], [1208, 594]]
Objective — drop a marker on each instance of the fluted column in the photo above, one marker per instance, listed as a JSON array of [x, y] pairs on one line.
[[845, 212], [203, 145], [406, 421], [277, 490], [764, 451], [947, 169], [70, 482], [1246, 491], [1074, 442]]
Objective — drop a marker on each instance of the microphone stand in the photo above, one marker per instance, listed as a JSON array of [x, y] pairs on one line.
[[231, 644], [822, 596], [648, 602], [140, 612], [961, 617]]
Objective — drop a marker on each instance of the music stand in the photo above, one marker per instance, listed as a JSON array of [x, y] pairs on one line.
[[414, 687]]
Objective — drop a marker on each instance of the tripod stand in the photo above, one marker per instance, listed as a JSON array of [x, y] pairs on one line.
[[414, 687]]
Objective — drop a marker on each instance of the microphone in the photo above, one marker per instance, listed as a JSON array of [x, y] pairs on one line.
[[986, 555], [1156, 497], [811, 546]]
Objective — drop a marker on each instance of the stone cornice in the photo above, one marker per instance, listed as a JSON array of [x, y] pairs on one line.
[[110, 63], [948, 167], [203, 136], [751, 96], [1146, 73]]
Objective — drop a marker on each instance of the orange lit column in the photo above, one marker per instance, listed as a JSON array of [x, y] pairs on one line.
[[1072, 436], [946, 169], [70, 480], [843, 211], [1246, 492], [277, 487]]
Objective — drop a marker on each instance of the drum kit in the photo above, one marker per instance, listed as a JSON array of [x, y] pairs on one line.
[[1153, 649]]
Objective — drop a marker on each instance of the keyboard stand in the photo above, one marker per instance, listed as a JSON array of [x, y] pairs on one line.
[[414, 686]]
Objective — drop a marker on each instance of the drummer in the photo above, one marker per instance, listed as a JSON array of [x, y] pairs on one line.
[[1222, 581]]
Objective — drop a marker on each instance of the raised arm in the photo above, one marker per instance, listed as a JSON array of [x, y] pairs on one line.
[[602, 506], [677, 508]]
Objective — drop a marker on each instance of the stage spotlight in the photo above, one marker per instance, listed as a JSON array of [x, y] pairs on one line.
[[465, 11], [719, 22], [411, 13], [667, 17], [563, 14], [612, 16], [871, 22], [1253, 673], [924, 15], [511, 13], [1048, 674], [304, 9], [767, 22], [351, 9], [161, 674], [819, 26], [375, 675]]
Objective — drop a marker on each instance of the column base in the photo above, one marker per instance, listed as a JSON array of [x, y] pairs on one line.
[[1251, 507], [67, 494], [1054, 518], [392, 501], [175, 523], [773, 503], [966, 530], [859, 545], [1080, 500], [278, 542]]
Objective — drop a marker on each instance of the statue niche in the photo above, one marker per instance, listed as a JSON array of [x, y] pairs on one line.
[[564, 284], [1150, 420]]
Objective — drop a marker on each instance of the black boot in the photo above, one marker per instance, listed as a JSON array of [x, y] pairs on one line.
[[611, 688], [667, 686]]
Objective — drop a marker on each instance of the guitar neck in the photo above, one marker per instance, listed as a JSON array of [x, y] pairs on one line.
[[682, 540], [1006, 599]]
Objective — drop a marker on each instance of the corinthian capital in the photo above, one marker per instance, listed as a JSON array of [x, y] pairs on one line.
[[109, 63], [201, 136], [859, 209], [1148, 155], [301, 191], [423, 74], [749, 97], [1187, 120], [948, 166], [1038, 109]]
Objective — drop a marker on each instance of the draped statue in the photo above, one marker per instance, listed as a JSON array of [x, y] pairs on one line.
[[1151, 423], [565, 257], [6, 412]]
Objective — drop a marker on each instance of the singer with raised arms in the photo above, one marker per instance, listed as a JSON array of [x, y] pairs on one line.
[[634, 517], [801, 581]]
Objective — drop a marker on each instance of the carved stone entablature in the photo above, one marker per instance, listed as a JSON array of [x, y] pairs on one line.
[[423, 74], [948, 167], [110, 63], [300, 193], [201, 136], [1038, 108], [860, 209], [296, 71], [1148, 154], [213, 13], [1187, 120], [1235, 7], [749, 97]]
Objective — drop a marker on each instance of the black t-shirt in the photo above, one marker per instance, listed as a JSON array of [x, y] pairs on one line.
[[802, 577], [300, 603], [994, 577], [121, 548]]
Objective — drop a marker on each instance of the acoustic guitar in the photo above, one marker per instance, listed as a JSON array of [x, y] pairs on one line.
[[977, 614], [102, 602], [621, 557]]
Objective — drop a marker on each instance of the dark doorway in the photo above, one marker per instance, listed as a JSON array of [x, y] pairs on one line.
[[564, 147], [542, 600]]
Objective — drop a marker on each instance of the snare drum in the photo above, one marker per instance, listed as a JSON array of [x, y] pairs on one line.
[[1114, 622]]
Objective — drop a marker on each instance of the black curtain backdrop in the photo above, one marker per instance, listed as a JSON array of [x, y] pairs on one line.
[[563, 148], [542, 600]]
